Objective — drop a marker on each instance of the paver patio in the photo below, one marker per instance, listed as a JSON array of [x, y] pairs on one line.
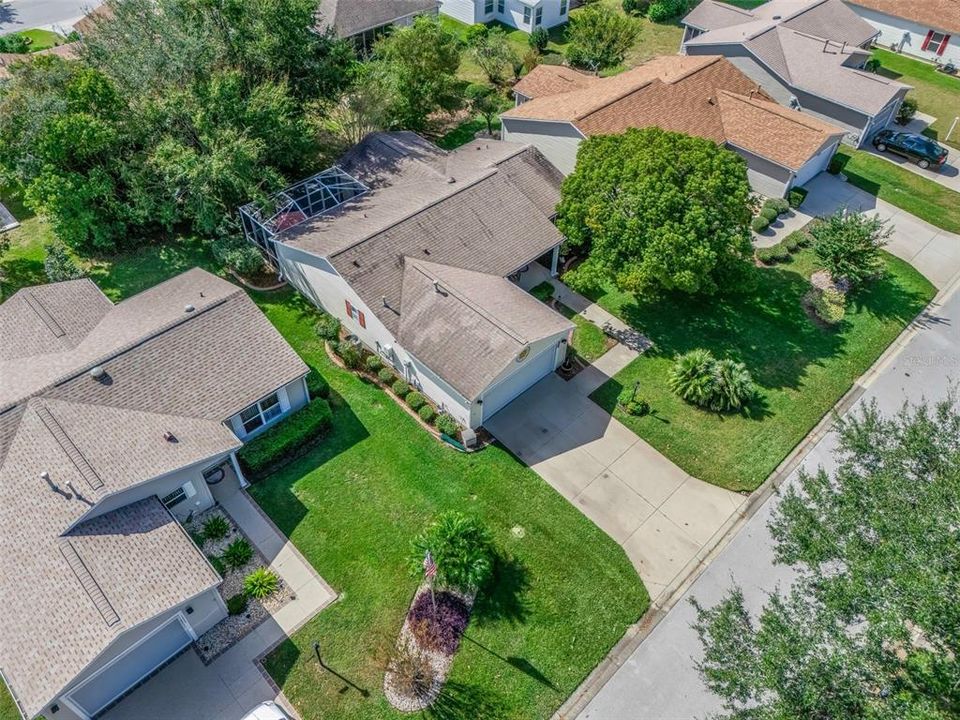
[[664, 518]]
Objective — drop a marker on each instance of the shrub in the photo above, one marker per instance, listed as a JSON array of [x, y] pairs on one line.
[[238, 254], [400, 388], [289, 438], [780, 205], [427, 414], [664, 10], [462, 548], [768, 213], [260, 583], [796, 196], [216, 528], [836, 165], [237, 604], [237, 554], [59, 265], [198, 539], [908, 108], [411, 673], [476, 34], [720, 385], [759, 224], [539, 39], [447, 425], [774, 254], [543, 292], [439, 629], [328, 327], [636, 7], [385, 375], [217, 565], [849, 245], [796, 240], [14, 43], [599, 37], [374, 363], [872, 65], [829, 304], [350, 353], [415, 400], [734, 386], [631, 403], [317, 385]]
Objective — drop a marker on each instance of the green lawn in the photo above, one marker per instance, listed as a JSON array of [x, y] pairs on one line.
[[353, 505], [801, 369], [928, 200], [589, 341], [43, 39], [937, 93]]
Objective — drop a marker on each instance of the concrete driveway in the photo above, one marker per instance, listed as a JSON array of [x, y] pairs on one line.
[[665, 519], [948, 175], [57, 15]]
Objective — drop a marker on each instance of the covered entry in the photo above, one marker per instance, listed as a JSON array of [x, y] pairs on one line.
[[113, 680]]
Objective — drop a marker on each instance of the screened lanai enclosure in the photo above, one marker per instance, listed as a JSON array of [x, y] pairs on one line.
[[321, 193]]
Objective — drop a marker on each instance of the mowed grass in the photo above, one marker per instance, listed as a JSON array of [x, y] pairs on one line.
[[562, 598], [588, 341], [42, 39], [8, 709], [920, 196], [801, 369], [936, 93]]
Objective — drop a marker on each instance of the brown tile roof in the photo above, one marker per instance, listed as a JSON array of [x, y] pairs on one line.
[[939, 14], [492, 320], [351, 17], [552, 79], [705, 96]]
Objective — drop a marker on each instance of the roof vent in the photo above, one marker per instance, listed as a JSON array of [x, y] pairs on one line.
[[169, 436], [426, 251], [436, 286], [712, 100], [44, 475], [777, 17], [97, 372], [188, 308], [451, 180]]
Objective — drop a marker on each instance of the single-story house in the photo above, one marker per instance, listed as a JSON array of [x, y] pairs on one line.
[[111, 418], [928, 29], [365, 20], [705, 96], [412, 246], [805, 55], [526, 15]]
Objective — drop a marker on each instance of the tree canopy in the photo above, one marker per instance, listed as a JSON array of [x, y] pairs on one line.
[[871, 629], [600, 37], [657, 211], [849, 245]]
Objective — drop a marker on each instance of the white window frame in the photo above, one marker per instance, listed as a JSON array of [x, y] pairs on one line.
[[538, 16], [934, 45], [527, 15], [501, 6], [182, 493], [266, 415], [488, 4]]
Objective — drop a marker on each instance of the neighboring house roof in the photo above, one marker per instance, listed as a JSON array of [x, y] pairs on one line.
[[491, 319], [940, 14], [351, 17], [70, 585], [486, 206], [829, 19], [700, 95], [88, 22], [68, 51], [552, 79]]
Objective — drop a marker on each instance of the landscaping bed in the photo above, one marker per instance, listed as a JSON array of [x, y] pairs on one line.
[[589, 341], [240, 622], [801, 369]]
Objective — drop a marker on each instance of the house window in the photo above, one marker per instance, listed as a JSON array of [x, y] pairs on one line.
[[355, 314], [501, 6], [563, 7], [261, 413], [539, 17], [526, 15], [488, 7], [179, 495], [936, 42]]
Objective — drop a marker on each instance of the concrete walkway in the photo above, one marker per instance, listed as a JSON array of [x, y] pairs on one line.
[[664, 519], [934, 252], [234, 683]]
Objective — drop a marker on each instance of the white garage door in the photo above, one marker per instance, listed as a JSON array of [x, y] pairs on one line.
[[112, 681], [815, 165], [526, 375]]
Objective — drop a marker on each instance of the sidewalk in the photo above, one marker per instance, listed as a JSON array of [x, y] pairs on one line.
[[234, 683]]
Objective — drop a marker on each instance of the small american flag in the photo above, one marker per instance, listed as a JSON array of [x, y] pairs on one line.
[[429, 566]]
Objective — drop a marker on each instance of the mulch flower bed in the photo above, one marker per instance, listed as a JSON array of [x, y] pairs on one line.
[[425, 649], [233, 628]]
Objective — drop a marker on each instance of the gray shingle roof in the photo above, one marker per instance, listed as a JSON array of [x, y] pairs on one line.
[[470, 326], [351, 17], [166, 370]]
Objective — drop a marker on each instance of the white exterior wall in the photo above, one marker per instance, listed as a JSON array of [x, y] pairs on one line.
[[208, 609], [816, 165], [466, 11], [908, 35], [472, 11], [558, 141]]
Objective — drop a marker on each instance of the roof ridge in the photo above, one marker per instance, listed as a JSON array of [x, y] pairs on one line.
[[516, 335], [793, 116]]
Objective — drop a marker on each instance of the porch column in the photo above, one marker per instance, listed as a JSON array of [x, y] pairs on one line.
[[238, 471], [554, 260]]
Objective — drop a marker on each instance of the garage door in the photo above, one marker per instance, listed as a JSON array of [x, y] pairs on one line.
[[815, 165], [528, 373], [112, 681]]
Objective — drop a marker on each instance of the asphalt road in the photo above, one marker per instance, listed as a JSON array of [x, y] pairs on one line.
[[26, 14], [659, 680]]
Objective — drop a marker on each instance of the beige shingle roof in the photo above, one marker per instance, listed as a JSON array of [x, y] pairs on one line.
[[939, 14], [699, 95], [469, 327], [350, 17], [552, 79]]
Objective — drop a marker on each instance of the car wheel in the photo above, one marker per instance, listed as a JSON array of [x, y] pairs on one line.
[[881, 147], [924, 164]]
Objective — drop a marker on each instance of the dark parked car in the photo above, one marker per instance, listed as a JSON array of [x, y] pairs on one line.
[[924, 151]]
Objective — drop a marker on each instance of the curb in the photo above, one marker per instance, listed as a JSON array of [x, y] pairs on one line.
[[639, 631]]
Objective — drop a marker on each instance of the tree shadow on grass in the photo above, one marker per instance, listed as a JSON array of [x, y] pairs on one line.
[[461, 701], [886, 299], [20, 272], [506, 598]]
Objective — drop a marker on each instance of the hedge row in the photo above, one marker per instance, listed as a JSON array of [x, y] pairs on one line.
[[782, 251], [290, 437]]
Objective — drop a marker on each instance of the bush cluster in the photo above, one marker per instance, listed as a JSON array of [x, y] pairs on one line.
[[236, 253], [59, 265], [828, 304], [415, 400], [759, 224], [782, 251], [237, 604], [439, 629], [663, 10], [796, 196], [374, 364], [385, 375], [462, 548], [317, 385], [350, 353], [447, 425], [427, 414], [328, 327], [633, 404], [636, 7], [288, 438], [538, 39], [400, 388], [260, 583], [216, 528], [720, 385], [237, 554]]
